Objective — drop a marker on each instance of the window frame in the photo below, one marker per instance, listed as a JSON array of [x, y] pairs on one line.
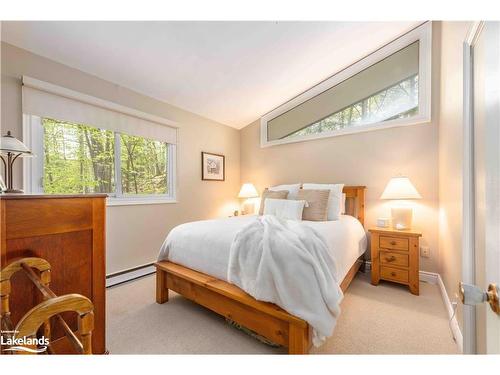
[[33, 168], [422, 33]]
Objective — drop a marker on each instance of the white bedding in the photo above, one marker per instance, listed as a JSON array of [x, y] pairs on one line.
[[204, 245], [289, 264]]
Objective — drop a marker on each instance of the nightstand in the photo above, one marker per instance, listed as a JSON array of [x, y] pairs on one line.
[[395, 256]]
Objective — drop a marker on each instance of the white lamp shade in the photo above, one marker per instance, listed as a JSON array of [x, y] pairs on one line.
[[10, 144], [400, 188], [248, 191]]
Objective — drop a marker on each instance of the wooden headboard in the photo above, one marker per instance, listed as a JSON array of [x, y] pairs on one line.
[[355, 202]]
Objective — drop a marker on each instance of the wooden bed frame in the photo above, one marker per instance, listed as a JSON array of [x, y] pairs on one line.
[[228, 300]]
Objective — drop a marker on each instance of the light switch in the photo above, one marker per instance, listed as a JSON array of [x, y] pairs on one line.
[[425, 251]]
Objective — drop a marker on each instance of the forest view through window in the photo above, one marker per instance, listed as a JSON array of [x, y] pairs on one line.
[[385, 91], [395, 102], [81, 159]]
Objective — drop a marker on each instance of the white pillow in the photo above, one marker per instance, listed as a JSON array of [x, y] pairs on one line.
[[334, 200], [342, 207], [293, 190], [284, 208]]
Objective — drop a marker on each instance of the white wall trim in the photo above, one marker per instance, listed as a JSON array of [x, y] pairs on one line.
[[128, 275], [474, 32], [112, 201], [468, 198], [428, 277], [422, 33], [455, 328], [435, 279]]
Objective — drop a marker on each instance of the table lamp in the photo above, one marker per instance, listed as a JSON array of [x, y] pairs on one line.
[[400, 188], [248, 191], [10, 149]]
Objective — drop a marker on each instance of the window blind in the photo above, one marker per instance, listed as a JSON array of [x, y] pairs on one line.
[[47, 100]]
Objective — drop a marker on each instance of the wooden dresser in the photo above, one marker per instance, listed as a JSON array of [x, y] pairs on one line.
[[69, 232], [395, 257]]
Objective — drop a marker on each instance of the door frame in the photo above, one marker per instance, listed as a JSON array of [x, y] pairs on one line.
[[468, 198]]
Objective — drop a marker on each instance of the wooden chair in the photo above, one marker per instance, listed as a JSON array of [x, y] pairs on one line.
[[41, 315]]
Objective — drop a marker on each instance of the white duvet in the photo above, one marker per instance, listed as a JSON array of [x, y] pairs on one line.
[[288, 263], [205, 246]]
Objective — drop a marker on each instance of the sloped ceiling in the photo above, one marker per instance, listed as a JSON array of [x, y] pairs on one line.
[[230, 72]]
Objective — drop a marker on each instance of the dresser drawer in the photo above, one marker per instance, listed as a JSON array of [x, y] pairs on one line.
[[393, 259], [394, 243], [394, 274]]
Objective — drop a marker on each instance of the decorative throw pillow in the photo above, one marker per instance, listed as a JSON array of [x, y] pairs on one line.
[[282, 194], [292, 189], [285, 209], [335, 199], [317, 201]]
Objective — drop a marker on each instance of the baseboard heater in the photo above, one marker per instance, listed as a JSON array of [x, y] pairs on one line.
[[129, 275]]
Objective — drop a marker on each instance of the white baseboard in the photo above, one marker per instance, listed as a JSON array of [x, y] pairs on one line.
[[455, 328], [124, 276], [428, 277], [435, 278]]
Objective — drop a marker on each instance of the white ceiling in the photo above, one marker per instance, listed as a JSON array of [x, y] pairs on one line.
[[230, 72]]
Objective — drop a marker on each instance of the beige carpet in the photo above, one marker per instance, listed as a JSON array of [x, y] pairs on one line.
[[374, 320]]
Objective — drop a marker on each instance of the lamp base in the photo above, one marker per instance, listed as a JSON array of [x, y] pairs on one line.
[[401, 218], [248, 208], [13, 191]]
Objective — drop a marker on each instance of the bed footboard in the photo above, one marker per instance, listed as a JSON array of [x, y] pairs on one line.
[[228, 300], [231, 302]]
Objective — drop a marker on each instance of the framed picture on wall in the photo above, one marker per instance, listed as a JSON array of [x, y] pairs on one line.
[[213, 167]]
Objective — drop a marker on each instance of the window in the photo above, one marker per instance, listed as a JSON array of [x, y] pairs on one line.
[[390, 87], [395, 102], [85, 144], [78, 159], [143, 165]]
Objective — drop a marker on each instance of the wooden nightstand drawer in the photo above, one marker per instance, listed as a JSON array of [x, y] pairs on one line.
[[394, 274], [394, 256], [394, 243], [393, 259]]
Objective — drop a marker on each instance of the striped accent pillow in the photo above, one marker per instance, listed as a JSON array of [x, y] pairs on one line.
[[317, 209]]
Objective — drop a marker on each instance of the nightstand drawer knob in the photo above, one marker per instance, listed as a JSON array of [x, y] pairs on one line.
[[392, 258], [393, 243], [393, 274]]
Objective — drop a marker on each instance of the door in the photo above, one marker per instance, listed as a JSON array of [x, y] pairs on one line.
[[483, 120]]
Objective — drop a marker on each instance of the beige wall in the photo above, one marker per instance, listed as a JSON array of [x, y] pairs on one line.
[[135, 233], [368, 158], [450, 156]]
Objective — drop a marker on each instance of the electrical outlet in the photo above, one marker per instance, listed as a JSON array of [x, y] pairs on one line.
[[425, 251]]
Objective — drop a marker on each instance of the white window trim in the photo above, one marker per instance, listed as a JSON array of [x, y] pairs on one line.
[[422, 33], [33, 169]]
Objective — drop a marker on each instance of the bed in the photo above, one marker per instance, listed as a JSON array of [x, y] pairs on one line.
[[196, 268]]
